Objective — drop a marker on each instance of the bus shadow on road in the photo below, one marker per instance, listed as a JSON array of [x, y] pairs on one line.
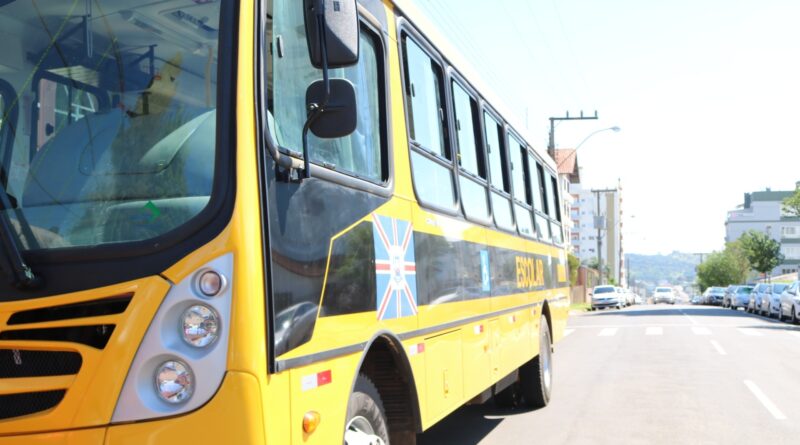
[[668, 311], [468, 425]]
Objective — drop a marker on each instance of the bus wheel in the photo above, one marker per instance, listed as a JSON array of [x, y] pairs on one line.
[[366, 419], [536, 376]]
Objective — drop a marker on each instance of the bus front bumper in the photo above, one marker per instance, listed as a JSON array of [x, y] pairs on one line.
[[233, 416]]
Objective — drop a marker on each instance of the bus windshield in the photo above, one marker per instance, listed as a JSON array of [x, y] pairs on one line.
[[107, 118]]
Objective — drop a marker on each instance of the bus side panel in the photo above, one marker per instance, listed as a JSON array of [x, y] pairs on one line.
[[444, 378]]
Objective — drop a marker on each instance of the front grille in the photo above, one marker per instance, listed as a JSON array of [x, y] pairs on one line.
[[15, 363], [95, 336], [52, 359], [15, 405], [96, 308]]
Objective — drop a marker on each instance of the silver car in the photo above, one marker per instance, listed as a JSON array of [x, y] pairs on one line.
[[740, 297], [758, 294], [790, 303], [771, 304]]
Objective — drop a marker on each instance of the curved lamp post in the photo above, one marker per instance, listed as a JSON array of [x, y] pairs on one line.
[[615, 129]]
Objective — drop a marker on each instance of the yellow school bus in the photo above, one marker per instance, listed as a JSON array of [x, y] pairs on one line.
[[265, 222]]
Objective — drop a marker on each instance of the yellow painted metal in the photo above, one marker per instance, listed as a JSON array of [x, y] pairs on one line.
[[444, 374], [233, 416], [94, 436], [87, 402]]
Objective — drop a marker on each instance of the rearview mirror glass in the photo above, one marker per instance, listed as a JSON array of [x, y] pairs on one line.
[[340, 22], [340, 116]]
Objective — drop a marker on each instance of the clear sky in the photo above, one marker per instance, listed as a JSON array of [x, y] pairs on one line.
[[707, 93]]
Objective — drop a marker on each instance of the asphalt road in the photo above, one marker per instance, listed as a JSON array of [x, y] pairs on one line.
[[655, 375]]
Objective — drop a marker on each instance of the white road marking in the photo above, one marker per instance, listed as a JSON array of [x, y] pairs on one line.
[[568, 331], [750, 332], [654, 330], [717, 346], [608, 332], [687, 316], [776, 413], [699, 330]]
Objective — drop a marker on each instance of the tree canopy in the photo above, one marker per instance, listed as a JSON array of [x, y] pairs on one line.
[[724, 268], [762, 252], [791, 205]]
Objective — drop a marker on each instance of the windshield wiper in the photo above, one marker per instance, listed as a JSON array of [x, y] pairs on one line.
[[19, 273]]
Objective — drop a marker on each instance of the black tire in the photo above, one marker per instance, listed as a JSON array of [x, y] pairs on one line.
[[793, 318], [508, 398], [365, 411], [536, 376]]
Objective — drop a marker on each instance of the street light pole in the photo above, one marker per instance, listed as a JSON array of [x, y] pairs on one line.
[[615, 129], [597, 221], [551, 147]]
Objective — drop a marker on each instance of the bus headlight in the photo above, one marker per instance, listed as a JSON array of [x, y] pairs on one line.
[[174, 382], [199, 326]]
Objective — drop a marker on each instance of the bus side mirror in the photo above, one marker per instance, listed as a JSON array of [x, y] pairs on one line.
[[339, 21], [339, 117]]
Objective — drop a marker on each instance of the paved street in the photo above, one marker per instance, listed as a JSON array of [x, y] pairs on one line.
[[653, 375]]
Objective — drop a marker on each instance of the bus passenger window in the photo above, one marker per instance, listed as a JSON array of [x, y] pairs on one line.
[[542, 224], [465, 109], [425, 109], [430, 160], [494, 146]]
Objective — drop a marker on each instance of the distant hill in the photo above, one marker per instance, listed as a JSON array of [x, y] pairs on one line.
[[675, 268]]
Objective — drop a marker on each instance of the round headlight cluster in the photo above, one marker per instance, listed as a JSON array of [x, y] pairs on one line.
[[199, 326], [174, 381]]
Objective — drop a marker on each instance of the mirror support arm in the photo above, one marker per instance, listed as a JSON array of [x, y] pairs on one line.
[[315, 110]]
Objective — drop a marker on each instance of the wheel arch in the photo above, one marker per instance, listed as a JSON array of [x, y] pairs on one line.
[[385, 362]]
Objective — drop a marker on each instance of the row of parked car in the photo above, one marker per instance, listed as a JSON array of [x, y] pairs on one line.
[[613, 296], [779, 300]]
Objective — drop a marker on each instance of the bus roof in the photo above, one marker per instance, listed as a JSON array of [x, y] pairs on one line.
[[447, 50]]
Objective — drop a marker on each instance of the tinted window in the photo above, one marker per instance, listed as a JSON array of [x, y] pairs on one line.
[[494, 147], [555, 209], [433, 181], [535, 188], [290, 72], [465, 109], [516, 151], [424, 94], [603, 290]]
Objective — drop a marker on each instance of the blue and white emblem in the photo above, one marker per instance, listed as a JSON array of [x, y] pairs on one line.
[[395, 267]]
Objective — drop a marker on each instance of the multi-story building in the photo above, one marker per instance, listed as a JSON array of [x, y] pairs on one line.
[[763, 212]]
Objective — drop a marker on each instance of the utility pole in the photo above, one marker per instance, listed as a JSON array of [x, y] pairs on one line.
[[599, 223], [551, 147]]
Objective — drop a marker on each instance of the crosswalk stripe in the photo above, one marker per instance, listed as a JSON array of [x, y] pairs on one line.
[[718, 347], [654, 330], [750, 332], [699, 330], [568, 331], [608, 332]]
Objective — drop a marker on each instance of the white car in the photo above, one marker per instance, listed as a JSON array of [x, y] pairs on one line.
[[664, 295], [607, 296]]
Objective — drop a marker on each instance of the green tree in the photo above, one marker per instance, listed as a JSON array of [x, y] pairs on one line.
[[762, 252], [791, 205], [574, 263], [721, 269]]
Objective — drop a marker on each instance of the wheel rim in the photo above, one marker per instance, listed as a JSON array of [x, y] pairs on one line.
[[546, 360], [361, 432]]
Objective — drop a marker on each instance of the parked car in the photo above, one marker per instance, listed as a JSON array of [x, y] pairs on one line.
[[714, 295], [637, 299], [771, 305], [790, 303], [740, 297], [627, 296], [664, 295], [697, 299], [729, 291], [606, 296], [758, 294]]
